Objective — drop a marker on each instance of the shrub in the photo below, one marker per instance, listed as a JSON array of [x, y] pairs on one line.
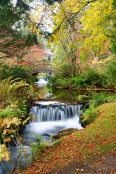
[[98, 99], [16, 72], [90, 115], [111, 73], [11, 110], [9, 87], [91, 79]]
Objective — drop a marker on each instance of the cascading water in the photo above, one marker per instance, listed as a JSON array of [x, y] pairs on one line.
[[52, 117], [55, 113]]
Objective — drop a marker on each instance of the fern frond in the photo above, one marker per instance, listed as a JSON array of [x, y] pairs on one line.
[[9, 87]]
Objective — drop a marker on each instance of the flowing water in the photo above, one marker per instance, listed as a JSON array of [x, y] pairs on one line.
[[51, 116]]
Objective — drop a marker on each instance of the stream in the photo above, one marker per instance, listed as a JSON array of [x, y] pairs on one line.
[[52, 114]]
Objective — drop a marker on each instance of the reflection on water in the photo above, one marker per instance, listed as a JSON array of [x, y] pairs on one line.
[[62, 95], [67, 95], [45, 92]]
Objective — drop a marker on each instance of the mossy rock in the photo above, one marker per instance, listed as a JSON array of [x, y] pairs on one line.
[[82, 98], [64, 133]]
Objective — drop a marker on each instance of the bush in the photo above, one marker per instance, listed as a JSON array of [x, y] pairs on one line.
[[96, 100], [90, 78], [16, 72], [65, 70], [90, 115], [11, 110], [111, 73], [76, 81]]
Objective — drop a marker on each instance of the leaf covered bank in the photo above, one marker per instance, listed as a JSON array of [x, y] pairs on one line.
[[97, 139]]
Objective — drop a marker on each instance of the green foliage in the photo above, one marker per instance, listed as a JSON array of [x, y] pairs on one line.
[[9, 15], [65, 70], [17, 72], [11, 110], [57, 142], [9, 87], [96, 100], [90, 115], [90, 78], [113, 35], [22, 105], [111, 73]]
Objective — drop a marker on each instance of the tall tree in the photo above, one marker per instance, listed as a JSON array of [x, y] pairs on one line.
[[113, 40], [97, 22], [12, 20], [66, 30]]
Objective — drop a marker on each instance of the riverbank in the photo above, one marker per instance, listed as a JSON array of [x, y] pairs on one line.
[[94, 143], [88, 89]]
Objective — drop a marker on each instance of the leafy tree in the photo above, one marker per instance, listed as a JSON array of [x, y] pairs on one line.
[[13, 19], [81, 29], [66, 32], [114, 29], [96, 25]]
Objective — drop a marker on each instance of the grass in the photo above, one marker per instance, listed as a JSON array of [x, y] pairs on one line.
[[96, 139]]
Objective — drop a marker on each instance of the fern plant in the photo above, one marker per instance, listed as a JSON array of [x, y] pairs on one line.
[[9, 87]]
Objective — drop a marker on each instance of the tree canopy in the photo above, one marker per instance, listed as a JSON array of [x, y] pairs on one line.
[[13, 36]]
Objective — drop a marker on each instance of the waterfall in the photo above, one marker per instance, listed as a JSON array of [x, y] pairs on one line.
[[55, 113]]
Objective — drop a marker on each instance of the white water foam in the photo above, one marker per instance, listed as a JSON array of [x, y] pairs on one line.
[[42, 82], [48, 103], [51, 127]]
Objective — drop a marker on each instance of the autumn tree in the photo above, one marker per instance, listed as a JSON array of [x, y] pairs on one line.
[[113, 38], [66, 31], [96, 26], [82, 26], [13, 20]]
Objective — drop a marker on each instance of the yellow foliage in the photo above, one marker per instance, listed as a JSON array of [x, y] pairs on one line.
[[7, 140], [20, 140], [96, 22], [4, 153], [8, 86], [1, 120], [25, 121], [7, 122], [30, 118], [9, 131], [39, 18]]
